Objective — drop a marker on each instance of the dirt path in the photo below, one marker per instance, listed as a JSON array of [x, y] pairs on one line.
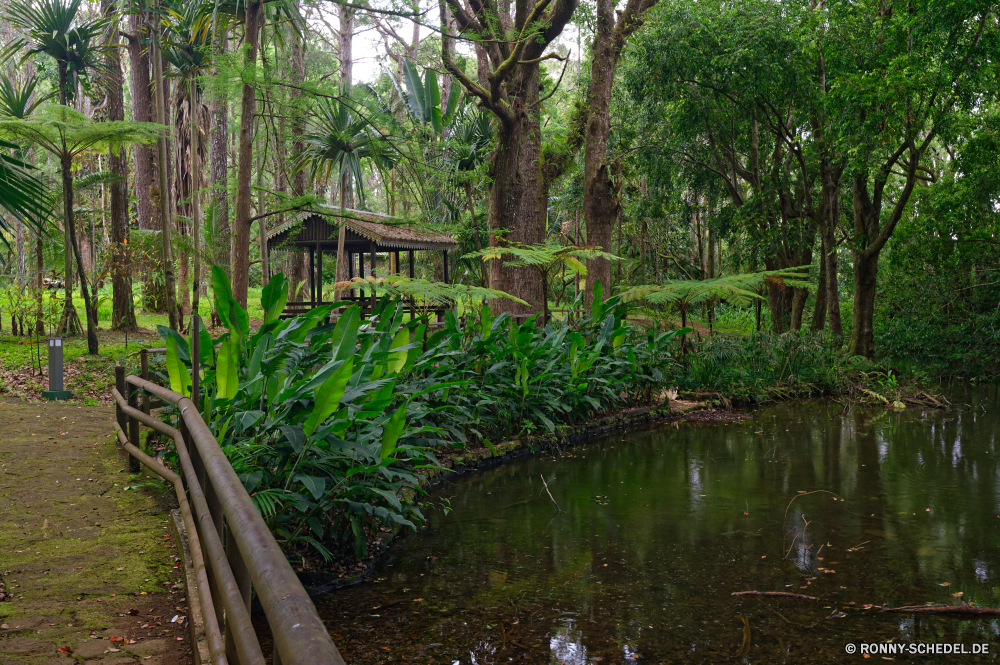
[[89, 568]]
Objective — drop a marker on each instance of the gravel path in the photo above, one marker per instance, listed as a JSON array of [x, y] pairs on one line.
[[89, 567]]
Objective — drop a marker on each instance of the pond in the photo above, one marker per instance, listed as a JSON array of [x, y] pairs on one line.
[[659, 527]]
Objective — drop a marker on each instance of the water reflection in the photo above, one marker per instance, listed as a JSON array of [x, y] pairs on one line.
[[660, 528]]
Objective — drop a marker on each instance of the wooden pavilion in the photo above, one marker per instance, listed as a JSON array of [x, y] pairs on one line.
[[368, 234]]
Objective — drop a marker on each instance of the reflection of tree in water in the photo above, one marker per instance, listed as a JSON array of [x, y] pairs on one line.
[[659, 530]]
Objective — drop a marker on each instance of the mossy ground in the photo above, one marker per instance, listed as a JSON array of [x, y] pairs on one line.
[[80, 543]]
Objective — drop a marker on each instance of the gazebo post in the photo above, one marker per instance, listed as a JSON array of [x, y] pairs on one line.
[[312, 275], [373, 276], [398, 269], [445, 252], [361, 274], [319, 273], [412, 266]]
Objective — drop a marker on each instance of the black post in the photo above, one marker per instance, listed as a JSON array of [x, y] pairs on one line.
[[319, 273], [445, 266], [373, 276], [144, 364], [133, 426], [361, 274], [120, 385], [413, 269], [312, 275]]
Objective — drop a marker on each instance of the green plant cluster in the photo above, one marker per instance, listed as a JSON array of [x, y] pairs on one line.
[[766, 365], [329, 424]]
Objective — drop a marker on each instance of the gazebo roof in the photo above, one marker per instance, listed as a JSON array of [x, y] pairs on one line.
[[309, 228]]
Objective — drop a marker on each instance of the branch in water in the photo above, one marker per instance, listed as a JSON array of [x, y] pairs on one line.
[[775, 594]]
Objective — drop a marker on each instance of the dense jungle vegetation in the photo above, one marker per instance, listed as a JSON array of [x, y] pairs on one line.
[[749, 199]]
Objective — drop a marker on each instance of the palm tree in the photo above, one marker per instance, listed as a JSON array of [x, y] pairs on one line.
[[54, 28], [188, 48], [342, 138], [67, 134]]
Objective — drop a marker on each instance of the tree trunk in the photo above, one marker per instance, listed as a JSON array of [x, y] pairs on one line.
[[39, 272], [345, 57], [195, 186], [865, 281], [515, 201], [248, 105], [142, 111], [68, 320], [163, 191], [819, 310], [829, 220], [66, 166], [122, 308], [219, 141], [295, 261], [600, 195]]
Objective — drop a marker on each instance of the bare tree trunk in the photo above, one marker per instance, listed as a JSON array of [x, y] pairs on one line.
[[21, 256], [163, 191], [219, 140], [345, 58], [39, 272], [248, 105], [515, 201], [142, 111], [66, 166], [819, 309], [122, 308], [195, 186], [296, 260], [67, 323]]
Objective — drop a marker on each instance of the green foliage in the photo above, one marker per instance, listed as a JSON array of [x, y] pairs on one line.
[[765, 365], [423, 100]]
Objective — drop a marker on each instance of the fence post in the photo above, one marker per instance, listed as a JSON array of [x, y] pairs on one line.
[[120, 385], [144, 363], [133, 426]]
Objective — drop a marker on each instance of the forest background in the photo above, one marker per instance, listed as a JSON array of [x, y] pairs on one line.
[[693, 142]]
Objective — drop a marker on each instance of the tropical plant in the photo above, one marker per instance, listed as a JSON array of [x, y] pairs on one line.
[[22, 192], [546, 258], [66, 134], [423, 99]]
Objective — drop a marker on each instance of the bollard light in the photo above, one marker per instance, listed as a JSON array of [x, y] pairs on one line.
[[56, 390]]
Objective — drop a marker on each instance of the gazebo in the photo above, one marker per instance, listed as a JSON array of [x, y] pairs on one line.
[[367, 234]]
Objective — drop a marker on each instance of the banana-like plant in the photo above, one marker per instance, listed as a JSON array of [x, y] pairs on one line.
[[423, 99]]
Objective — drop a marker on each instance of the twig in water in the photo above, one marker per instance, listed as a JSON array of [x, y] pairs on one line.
[[549, 493], [944, 609], [858, 546], [745, 647], [801, 494], [775, 594]]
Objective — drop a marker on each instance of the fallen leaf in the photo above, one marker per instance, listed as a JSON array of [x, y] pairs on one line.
[[133, 612], [945, 584], [959, 594], [120, 568], [65, 650], [116, 638]]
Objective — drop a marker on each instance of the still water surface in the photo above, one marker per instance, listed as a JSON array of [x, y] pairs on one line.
[[659, 527]]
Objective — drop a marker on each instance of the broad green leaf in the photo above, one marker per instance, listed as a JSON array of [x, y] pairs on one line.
[[328, 396], [345, 335], [414, 89], [253, 368], [273, 298], [392, 431], [227, 377], [314, 485], [397, 360], [180, 380], [223, 294], [454, 94], [432, 99]]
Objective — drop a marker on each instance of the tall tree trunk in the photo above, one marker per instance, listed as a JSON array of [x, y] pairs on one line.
[[601, 201], [515, 197], [295, 259], [21, 256], [819, 309], [39, 272], [219, 141], [163, 191], [248, 105], [68, 320], [142, 111], [66, 166], [600, 195], [830, 219], [345, 59], [122, 308], [195, 186]]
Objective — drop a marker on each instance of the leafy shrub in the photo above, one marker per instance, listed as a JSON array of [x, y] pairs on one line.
[[327, 425]]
